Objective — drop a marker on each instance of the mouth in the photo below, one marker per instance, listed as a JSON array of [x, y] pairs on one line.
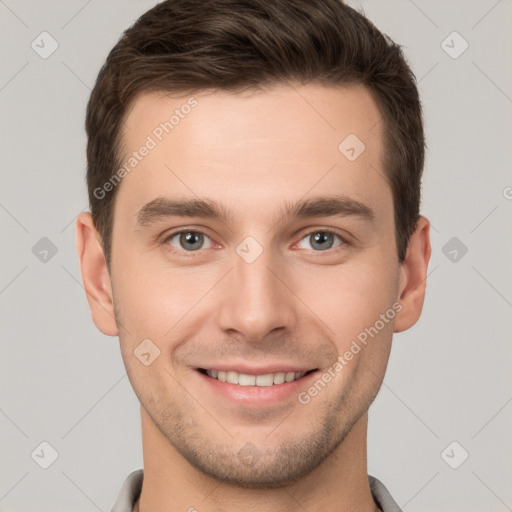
[[253, 387], [260, 380]]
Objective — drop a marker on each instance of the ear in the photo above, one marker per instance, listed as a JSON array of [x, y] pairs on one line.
[[413, 277], [95, 275]]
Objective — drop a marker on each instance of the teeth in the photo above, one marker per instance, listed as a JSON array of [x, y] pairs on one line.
[[246, 380], [279, 378], [232, 377], [243, 379], [265, 380]]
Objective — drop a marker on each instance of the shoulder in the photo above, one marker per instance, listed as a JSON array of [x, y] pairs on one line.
[[382, 496]]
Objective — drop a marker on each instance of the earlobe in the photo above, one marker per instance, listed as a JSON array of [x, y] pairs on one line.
[[95, 276], [413, 277]]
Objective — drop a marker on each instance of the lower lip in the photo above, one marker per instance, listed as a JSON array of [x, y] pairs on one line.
[[257, 395]]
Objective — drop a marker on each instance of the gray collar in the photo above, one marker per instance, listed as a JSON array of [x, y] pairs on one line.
[[132, 486]]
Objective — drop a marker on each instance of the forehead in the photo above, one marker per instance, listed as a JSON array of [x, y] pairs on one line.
[[311, 109], [282, 141]]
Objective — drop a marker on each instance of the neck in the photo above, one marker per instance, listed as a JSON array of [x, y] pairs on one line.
[[171, 484]]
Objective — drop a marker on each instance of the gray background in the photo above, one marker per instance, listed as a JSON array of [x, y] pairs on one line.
[[449, 379]]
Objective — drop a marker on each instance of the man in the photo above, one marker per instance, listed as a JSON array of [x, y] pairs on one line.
[[254, 240]]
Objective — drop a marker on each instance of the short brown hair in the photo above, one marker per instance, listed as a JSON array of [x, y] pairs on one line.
[[234, 45]]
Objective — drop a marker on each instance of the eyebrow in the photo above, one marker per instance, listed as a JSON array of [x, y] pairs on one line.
[[328, 206]]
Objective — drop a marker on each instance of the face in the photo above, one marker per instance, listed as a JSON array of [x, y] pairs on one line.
[[254, 242]]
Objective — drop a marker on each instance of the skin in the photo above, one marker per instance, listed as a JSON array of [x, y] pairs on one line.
[[254, 153]]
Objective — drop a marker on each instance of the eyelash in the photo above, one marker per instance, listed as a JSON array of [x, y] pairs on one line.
[[169, 247]]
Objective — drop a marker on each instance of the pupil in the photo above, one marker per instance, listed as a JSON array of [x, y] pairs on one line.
[[320, 238], [189, 238]]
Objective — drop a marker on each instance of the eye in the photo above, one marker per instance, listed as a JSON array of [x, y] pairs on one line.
[[188, 240], [322, 240]]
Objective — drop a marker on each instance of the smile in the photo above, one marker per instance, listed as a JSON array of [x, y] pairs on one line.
[[243, 379]]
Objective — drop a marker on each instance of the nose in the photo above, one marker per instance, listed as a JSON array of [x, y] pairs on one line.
[[257, 299]]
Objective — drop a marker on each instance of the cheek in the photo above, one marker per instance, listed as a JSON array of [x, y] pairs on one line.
[[139, 283], [156, 300], [155, 297], [348, 298]]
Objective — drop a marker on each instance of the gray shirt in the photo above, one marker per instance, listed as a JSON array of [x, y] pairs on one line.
[[132, 486]]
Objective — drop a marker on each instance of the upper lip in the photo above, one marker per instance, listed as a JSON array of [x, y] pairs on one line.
[[257, 370]]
